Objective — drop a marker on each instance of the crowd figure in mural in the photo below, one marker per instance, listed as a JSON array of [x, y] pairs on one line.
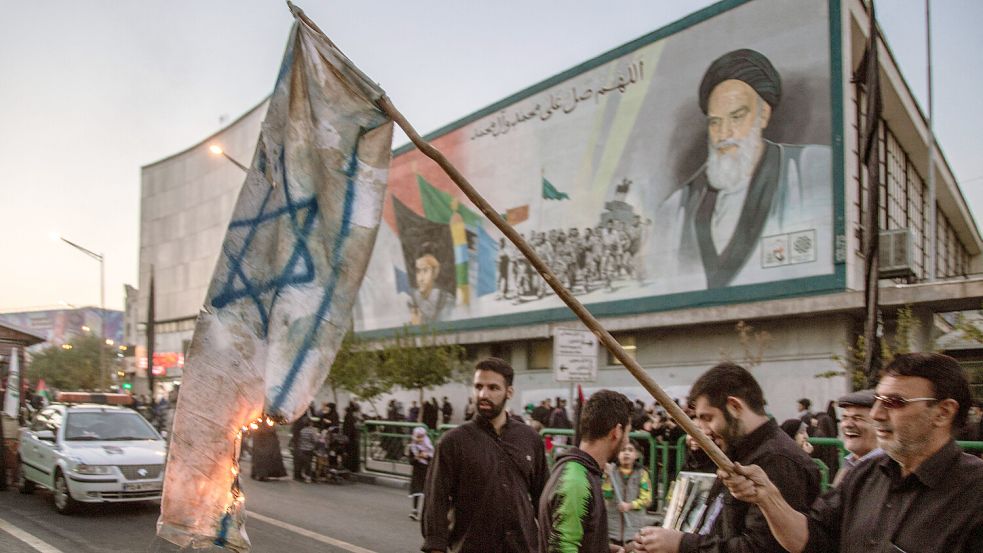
[[584, 260]]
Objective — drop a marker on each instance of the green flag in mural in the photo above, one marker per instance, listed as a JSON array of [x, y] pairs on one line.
[[551, 193], [437, 205]]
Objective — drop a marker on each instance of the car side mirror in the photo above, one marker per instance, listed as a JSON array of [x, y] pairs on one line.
[[45, 435]]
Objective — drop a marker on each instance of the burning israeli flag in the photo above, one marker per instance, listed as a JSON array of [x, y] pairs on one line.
[[287, 277]]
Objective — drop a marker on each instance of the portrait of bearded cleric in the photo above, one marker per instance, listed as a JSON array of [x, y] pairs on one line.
[[754, 207]]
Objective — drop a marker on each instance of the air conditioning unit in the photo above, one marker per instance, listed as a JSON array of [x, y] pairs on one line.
[[895, 254]]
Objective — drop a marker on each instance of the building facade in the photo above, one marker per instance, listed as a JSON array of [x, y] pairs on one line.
[[608, 169]]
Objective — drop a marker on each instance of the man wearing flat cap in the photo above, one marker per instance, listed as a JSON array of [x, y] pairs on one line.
[[754, 203], [859, 436]]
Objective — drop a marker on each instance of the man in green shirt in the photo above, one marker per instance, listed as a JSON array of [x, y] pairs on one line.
[[572, 514]]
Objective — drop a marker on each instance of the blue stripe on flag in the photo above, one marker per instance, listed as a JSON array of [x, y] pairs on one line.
[[336, 262]]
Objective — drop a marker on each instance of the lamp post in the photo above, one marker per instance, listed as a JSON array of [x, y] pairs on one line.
[[102, 300], [217, 150]]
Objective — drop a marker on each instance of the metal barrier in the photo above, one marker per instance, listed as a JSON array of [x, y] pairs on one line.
[[383, 446], [971, 446], [823, 475]]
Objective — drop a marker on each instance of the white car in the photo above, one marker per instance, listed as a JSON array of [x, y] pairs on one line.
[[90, 453]]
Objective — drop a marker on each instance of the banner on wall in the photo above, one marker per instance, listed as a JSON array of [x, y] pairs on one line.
[[695, 163]]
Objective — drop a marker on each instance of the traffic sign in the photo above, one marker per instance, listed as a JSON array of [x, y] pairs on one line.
[[574, 355]]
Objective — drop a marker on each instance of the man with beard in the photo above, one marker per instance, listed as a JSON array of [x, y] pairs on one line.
[[749, 188], [858, 431], [487, 474], [572, 513], [730, 409], [923, 495]]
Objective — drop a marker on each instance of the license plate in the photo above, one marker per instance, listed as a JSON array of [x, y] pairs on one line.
[[142, 487]]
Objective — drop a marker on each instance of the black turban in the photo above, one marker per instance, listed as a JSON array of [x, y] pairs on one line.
[[743, 65]]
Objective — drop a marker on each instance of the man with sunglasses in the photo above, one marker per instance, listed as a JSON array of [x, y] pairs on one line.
[[925, 494]]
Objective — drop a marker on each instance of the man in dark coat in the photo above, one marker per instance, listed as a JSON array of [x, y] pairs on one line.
[[487, 475], [447, 410], [730, 407]]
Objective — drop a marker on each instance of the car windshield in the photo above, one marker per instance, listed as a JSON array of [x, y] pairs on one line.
[[108, 425]]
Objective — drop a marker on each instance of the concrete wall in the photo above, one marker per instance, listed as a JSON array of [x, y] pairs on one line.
[[797, 351], [185, 207]]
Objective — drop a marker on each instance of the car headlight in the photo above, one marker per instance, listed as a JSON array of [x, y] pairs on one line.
[[92, 469]]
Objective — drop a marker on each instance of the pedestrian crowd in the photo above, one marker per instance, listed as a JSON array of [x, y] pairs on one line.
[[904, 485]]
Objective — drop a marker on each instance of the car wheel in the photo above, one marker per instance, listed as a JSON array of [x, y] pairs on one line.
[[23, 484], [64, 503]]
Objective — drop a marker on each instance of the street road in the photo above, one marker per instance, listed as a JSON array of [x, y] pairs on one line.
[[284, 516]]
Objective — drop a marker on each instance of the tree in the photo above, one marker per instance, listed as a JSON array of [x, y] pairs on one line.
[[967, 327], [853, 361], [73, 368], [358, 369], [753, 345], [422, 362]]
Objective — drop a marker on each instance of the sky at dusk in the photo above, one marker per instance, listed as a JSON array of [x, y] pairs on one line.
[[90, 91]]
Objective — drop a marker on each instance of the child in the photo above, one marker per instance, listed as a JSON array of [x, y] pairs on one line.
[[321, 456], [420, 453], [306, 442], [627, 496]]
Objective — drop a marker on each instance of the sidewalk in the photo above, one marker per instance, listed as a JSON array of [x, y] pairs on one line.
[[364, 477]]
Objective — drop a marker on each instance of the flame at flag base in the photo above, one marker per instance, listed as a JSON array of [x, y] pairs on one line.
[[281, 297]]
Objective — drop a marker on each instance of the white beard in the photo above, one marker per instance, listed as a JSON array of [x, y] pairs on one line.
[[731, 174], [732, 171]]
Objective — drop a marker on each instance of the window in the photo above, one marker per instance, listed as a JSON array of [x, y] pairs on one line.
[[540, 355], [904, 202], [627, 342], [502, 351]]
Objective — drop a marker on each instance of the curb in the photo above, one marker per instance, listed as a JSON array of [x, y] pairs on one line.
[[374, 478], [382, 480]]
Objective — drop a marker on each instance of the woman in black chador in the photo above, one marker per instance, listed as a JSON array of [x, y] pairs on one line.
[[267, 459]]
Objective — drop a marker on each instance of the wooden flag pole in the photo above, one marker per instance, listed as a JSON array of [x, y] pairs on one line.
[[585, 316]]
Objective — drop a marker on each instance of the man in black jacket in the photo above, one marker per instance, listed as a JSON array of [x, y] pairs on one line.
[[572, 513], [730, 408], [488, 472]]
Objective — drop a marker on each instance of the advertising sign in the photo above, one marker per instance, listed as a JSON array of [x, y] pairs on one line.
[[163, 360], [690, 166], [574, 356]]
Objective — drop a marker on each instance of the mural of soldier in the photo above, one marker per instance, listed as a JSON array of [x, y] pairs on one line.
[[428, 253], [429, 303]]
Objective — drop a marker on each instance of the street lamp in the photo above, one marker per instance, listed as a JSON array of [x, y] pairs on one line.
[[217, 150], [102, 296]]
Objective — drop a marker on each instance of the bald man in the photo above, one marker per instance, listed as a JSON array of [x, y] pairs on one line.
[[755, 205]]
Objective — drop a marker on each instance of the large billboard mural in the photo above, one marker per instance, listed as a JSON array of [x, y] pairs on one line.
[[691, 164]]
